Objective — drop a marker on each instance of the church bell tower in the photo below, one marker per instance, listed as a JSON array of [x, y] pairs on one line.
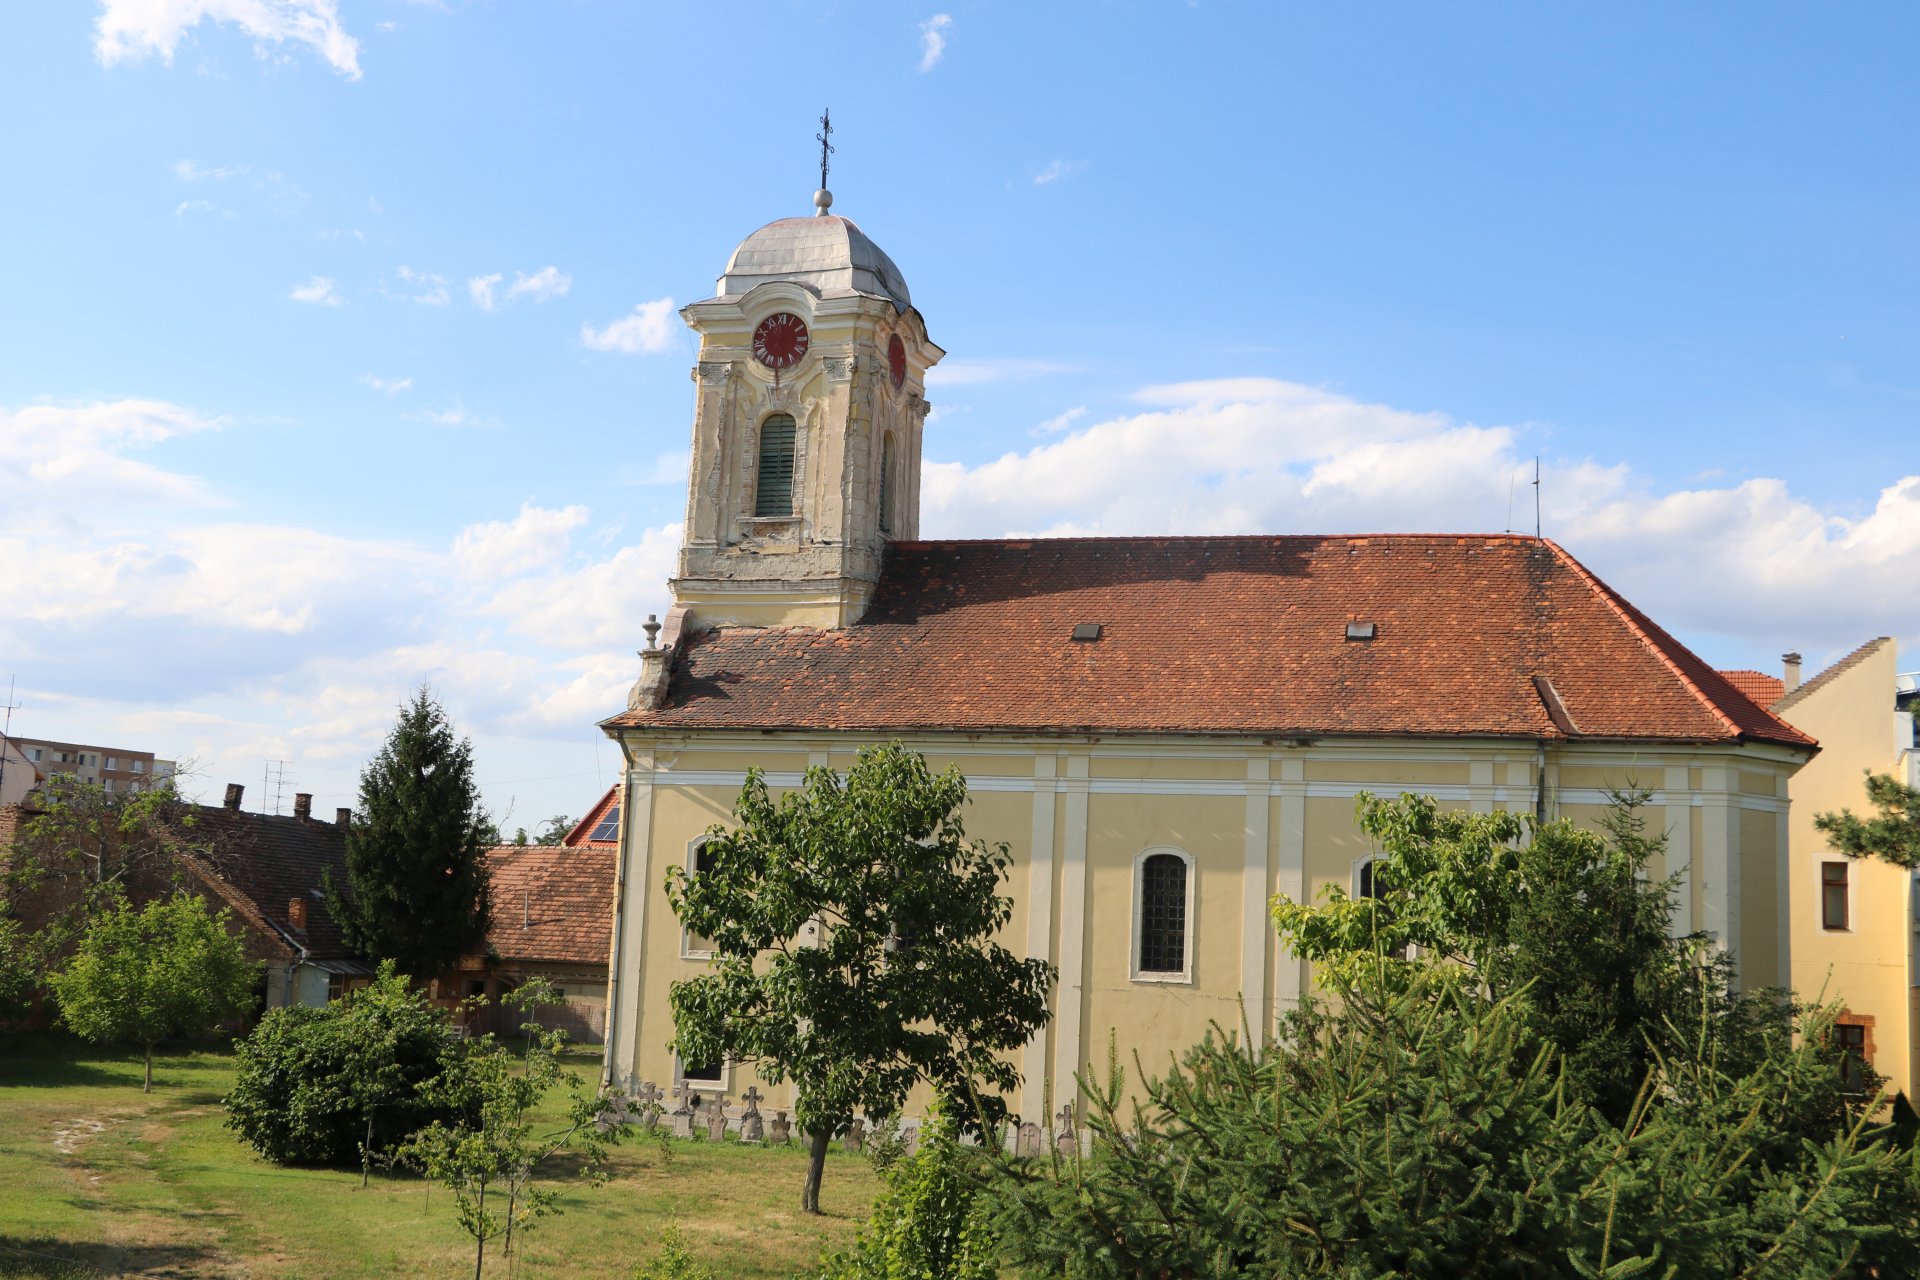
[[809, 408]]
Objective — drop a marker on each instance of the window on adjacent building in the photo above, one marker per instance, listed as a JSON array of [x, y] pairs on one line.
[[33, 754], [773, 490], [110, 764], [137, 766], [1162, 914], [1833, 895], [1850, 1038], [608, 828], [886, 483], [336, 986]]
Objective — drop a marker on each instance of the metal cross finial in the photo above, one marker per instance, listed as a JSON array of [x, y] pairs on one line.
[[826, 147]]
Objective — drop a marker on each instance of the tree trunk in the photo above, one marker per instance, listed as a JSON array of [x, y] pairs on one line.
[[147, 1087], [366, 1152], [479, 1255], [816, 1165]]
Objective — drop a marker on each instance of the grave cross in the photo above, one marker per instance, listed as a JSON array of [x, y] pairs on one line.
[[751, 1129], [647, 1098], [717, 1119], [781, 1130]]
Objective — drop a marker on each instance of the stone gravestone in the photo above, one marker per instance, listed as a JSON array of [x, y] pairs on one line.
[[1027, 1141], [856, 1137], [686, 1101], [717, 1119], [646, 1104], [1066, 1140], [780, 1130], [750, 1126], [910, 1142]]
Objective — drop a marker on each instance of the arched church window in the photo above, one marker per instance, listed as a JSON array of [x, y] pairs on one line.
[[773, 488], [1162, 915], [886, 483], [699, 863]]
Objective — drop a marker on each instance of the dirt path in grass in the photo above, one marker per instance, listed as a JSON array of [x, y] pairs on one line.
[[113, 1171]]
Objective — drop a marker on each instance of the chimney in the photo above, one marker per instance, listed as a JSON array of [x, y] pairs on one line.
[[341, 817], [302, 804], [297, 913], [1791, 663], [234, 792]]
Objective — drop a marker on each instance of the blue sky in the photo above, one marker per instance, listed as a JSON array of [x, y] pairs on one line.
[[316, 384]]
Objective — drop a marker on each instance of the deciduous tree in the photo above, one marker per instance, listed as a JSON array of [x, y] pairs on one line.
[[168, 969], [852, 926], [416, 888]]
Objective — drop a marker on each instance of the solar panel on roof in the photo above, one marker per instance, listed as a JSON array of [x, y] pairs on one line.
[[608, 828]]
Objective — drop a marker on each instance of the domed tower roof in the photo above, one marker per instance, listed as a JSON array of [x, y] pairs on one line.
[[826, 251]]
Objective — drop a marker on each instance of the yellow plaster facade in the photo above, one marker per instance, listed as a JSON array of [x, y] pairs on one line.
[[1254, 818], [1869, 962]]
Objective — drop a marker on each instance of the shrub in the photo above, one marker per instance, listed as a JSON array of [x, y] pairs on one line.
[[338, 1084], [926, 1223]]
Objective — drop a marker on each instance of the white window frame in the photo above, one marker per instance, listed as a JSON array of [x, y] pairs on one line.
[[1359, 864], [1184, 977], [687, 950], [1820, 895], [722, 1085]]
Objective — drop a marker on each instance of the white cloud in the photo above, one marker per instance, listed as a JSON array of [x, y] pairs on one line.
[[480, 289], [192, 206], [432, 288], [318, 290], [189, 171], [1748, 560], [1057, 170], [542, 286], [1060, 422], [129, 30], [966, 373], [933, 40], [386, 386], [456, 415], [534, 539], [649, 329]]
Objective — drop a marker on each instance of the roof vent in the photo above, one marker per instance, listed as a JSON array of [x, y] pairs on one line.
[[1359, 631], [1087, 631]]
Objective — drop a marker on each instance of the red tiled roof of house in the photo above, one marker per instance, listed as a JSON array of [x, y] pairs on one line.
[[258, 863], [1478, 635], [1761, 689], [582, 833], [551, 902]]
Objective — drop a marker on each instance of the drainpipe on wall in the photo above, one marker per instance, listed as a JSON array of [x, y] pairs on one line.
[[615, 941], [1540, 782]]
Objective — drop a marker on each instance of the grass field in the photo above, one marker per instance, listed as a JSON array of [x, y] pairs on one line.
[[98, 1179]]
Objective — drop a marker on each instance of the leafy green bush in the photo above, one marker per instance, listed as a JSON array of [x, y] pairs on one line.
[[338, 1084], [926, 1224], [674, 1261]]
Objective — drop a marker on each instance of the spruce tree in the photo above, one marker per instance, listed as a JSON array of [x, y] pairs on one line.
[[416, 885]]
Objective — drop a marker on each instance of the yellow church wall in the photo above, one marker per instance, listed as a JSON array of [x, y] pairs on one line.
[[1398, 775], [1626, 775], [1866, 966], [1076, 814]]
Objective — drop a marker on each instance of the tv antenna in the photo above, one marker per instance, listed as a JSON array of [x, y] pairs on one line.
[[1536, 495], [6, 733], [273, 780]]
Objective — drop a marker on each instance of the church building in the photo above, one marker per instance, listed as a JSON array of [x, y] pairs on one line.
[[1167, 731]]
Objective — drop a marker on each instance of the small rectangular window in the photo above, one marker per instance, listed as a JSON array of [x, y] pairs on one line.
[[1851, 1039], [1833, 895], [33, 754], [702, 863], [703, 1073], [1163, 914], [138, 766]]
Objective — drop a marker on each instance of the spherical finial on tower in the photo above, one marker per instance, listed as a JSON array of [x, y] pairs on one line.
[[822, 201]]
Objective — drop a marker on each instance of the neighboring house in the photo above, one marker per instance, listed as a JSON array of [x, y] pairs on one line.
[[18, 773], [552, 917], [1165, 731], [115, 768], [266, 869], [1854, 921]]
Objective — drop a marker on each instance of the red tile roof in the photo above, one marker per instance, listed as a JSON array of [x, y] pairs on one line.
[[580, 835], [551, 902], [1761, 689], [259, 862], [1241, 635]]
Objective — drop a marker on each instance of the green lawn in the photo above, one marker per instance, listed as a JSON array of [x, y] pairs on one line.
[[96, 1178]]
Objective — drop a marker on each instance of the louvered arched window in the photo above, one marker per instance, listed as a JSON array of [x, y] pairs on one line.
[[886, 483], [773, 487], [1162, 916]]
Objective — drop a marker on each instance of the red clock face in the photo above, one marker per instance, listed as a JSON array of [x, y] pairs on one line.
[[896, 360], [780, 340]]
